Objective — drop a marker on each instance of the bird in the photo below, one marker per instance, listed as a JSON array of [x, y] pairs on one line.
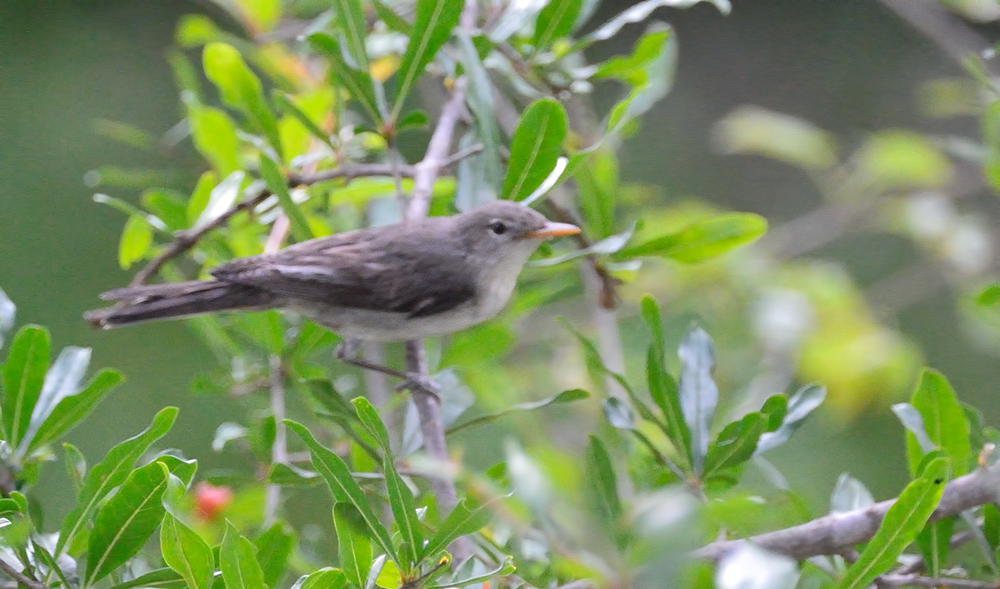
[[412, 280]]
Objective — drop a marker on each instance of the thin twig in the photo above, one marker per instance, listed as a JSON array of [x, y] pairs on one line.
[[461, 154], [832, 534], [20, 577]]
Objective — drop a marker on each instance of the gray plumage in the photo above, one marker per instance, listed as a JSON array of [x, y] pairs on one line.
[[411, 280]]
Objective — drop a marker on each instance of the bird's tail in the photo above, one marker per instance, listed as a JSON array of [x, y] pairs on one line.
[[168, 301]]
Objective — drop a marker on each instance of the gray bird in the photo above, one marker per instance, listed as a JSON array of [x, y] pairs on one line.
[[407, 281]]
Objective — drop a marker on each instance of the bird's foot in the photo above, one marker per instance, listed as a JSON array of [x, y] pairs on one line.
[[419, 383], [347, 352]]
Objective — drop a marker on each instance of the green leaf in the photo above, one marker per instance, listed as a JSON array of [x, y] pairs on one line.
[[754, 130], [350, 18], [598, 186], [126, 521], [62, 379], [461, 521], [505, 568], [432, 27], [698, 393], [944, 422], [186, 552], [353, 547], [603, 482], [900, 528], [558, 399], [404, 511], [650, 312], [640, 12], [799, 407], [183, 470], [279, 186], [704, 239], [42, 555], [389, 577], [338, 477], [164, 578], [71, 410], [934, 541], [110, 473], [535, 147], [665, 393], [201, 196], [215, 136], [274, 547], [76, 465], [23, 378], [241, 88], [137, 237], [285, 103], [555, 21], [649, 71], [485, 131], [368, 416], [324, 578], [990, 295], [239, 565], [358, 84], [735, 444], [290, 475], [391, 19]]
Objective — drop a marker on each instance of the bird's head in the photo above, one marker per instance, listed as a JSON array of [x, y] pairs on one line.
[[504, 231]]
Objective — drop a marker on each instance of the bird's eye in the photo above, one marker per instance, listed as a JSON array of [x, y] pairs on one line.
[[498, 227]]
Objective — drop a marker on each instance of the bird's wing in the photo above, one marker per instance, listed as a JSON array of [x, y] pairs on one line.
[[396, 270]]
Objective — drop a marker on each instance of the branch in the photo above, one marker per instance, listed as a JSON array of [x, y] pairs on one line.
[[833, 533], [20, 577], [185, 240]]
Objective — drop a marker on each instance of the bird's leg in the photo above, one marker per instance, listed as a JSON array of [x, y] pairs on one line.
[[347, 352]]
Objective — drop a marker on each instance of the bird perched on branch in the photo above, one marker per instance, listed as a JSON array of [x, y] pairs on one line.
[[412, 280]]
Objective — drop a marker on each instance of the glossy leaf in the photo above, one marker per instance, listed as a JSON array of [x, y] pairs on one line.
[[358, 84], [290, 475], [241, 88], [274, 548], [186, 552], [800, 405], [618, 414], [110, 473], [505, 568], [220, 199], [698, 392], [703, 240], [558, 399], [555, 21], [62, 379], [338, 477], [944, 422], [432, 26], [126, 521], [279, 187], [239, 565], [535, 147], [461, 521], [899, 529], [353, 547], [23, 379]]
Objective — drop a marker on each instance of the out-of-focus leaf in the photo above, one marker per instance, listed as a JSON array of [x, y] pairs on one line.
[[76, 465], [391, 19], [750, 567], [650, 312], [535, 147], [703, 240], [800, 406], [350, 18], [563, 397], [944, 422], [603, 482], [665, 393], [126, 521], [165, 578], [514, 18], [479, 97], [735, 444], [338, 477], [698, 393], [137, 237], [287, 105], [990, 295], [353, 547], [274, 547], [220, 199], [201, 196], [902, 160], [432, 26], [324, 578], [214, 136], [618, 414], [71, 410], [934, 541], [290, 475], [45, 557], [991, 137], [261, 15], [461, 521], [555, 21], [241, 88], [238, 562], [124, 133], [170, 206], [186, 552], [599, 189], [110, 473], [505, 568], [279, 186], [7, 313], [639, 12], [608, 245], [23, 380], [649, 71], [754, 130], [357, 83], [902, 523], [914, 424], [849, 494]]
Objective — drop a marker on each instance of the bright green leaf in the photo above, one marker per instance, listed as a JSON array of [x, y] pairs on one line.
[[186, 552], [238, 563], [432, 26], [359, 84], [461, 521], [703, 239], [23, 378], [137, 237], [944, 422], [279, 186], [325, 578], [535, 147], [555, 21], [735, 444], [165, 578], [215, 137], [274, 547], [71, 410]]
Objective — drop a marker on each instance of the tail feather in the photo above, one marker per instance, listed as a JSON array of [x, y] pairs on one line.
[[169, 301]]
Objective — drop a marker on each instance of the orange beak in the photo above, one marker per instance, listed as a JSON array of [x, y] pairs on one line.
[[553, 230]]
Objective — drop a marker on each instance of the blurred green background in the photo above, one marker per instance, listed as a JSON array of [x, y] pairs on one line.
[[850, 67]]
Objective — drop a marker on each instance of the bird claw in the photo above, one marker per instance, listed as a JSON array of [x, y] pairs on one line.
[[415, 382]]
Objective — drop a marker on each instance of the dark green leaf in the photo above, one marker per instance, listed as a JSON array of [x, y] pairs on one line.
[[279, 186], [23, 378], [164, 578], [358, 84], [799, 407], [944, 422], [415, 119], [934, 541], [901, 525], [555, 21], [43, 555], [186, 552], [432, 27], [241, 88], [603, 481], [461, 521], [342, 485], [735, 444], [563, 397], [535, 147], [391, 19], [126, 521], [404, 511], [274, 547], [72, 409], [704, 239], [110, 473], [350, 18], [238, 562], [698, 393], [353, 547]]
